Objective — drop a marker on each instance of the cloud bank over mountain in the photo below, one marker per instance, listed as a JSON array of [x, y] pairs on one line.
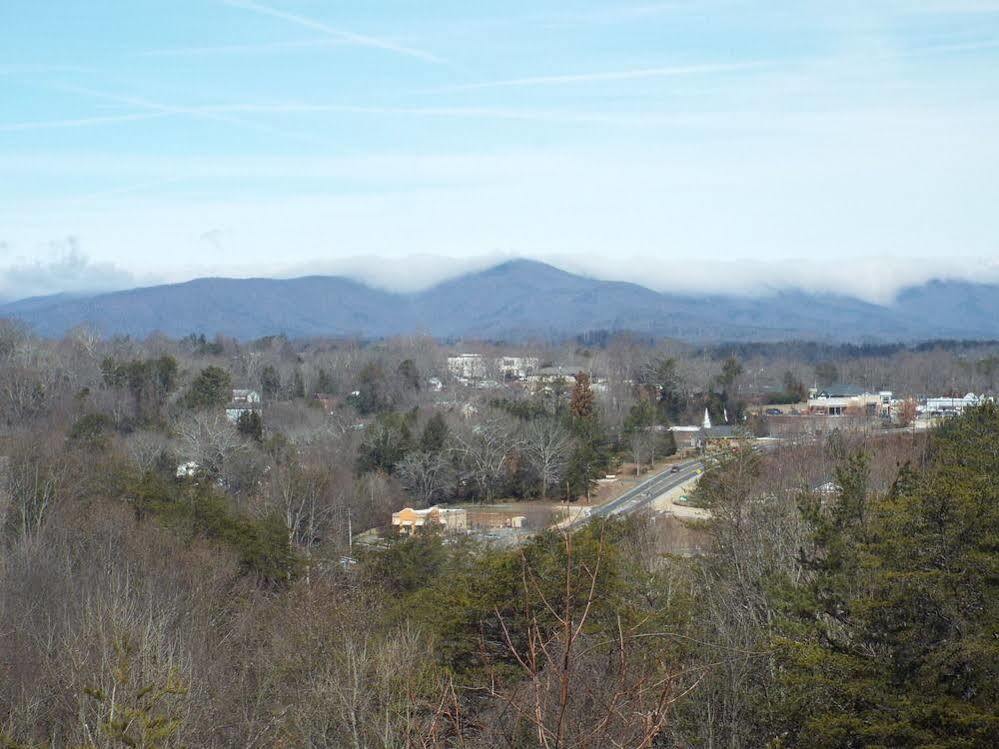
[[515, 300], [67, 269], [63, 269]]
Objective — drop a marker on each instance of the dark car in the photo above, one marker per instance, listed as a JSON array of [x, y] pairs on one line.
[[674, 469], [773, 412]]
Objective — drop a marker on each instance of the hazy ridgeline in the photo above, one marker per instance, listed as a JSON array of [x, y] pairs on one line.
[[501, 303], [137, 609]]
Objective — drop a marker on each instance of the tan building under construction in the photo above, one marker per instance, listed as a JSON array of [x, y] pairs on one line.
[[451, 518]]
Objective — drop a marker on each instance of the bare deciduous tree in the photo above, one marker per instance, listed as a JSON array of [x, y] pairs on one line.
[[33, 486], [427, 476], [146, 449], [484, 451], [210, 439], [547, 446], [581, 691], [298, 494], [642, 443]]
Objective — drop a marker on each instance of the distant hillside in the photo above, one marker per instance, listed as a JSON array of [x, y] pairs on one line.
[[512, 301]]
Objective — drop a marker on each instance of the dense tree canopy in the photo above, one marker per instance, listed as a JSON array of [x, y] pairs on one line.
[[169, 578], [212, 388], [891, 640]]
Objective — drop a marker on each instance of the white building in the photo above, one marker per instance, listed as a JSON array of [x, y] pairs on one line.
[[467, 366], [548, 375], [516, 367], [243, 401], [947, 406]]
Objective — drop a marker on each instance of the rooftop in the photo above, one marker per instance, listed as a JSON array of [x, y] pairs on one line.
[[841, 390], [720, 432]]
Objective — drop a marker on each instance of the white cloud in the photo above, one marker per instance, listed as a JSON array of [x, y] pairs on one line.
[[873, 279], [64, 269], [401, 274]]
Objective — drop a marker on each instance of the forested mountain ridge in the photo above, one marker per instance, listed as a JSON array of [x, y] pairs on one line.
[[516, 300]]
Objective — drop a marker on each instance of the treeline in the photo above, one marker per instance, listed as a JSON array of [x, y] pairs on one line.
[[813, 352]]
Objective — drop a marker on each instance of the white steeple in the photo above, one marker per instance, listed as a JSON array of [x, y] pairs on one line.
[[706, 424]]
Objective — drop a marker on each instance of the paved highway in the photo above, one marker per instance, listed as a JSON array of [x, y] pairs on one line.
[[662, 482], [646, 492]]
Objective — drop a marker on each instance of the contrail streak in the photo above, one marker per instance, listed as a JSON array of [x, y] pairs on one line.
[[79, 122], [359, 40], [615, 75], [196, 112]]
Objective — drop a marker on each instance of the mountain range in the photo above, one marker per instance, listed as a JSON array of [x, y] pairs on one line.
[[514, 301]]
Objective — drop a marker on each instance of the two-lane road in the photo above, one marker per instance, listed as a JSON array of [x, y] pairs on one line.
[[643, 494], [662, 482]]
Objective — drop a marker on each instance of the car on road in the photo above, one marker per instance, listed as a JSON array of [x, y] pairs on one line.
[[674, 469], [773, 412]]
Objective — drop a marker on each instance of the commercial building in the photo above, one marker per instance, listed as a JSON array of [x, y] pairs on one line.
[[948, 406], [849, 400], [469, 367], [407, 520]]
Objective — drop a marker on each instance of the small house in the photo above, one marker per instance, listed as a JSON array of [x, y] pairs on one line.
[[243, 401]]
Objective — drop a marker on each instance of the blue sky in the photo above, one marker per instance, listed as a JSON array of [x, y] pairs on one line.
[[686, 145]]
